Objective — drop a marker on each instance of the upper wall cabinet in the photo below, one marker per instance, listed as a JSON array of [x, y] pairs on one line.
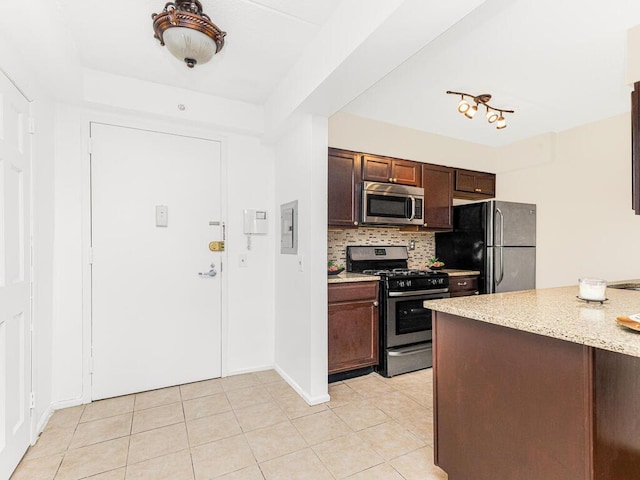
[[471, 185], [344, 176], [438, 194], [391, 170]]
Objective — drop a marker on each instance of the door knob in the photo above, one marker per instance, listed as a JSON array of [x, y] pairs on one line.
[[211, 273]]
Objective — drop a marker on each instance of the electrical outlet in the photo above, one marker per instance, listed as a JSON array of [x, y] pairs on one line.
[[243, 261]]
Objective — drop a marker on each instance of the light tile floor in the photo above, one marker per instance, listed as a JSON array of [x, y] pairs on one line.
[[246, 427]]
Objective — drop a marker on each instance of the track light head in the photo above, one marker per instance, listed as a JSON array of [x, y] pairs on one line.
[[494, 115], [471, 112]]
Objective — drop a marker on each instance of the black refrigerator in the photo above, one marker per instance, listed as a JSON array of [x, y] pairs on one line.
[[498, 239]]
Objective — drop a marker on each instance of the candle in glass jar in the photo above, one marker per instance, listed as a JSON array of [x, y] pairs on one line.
[[592, 288]]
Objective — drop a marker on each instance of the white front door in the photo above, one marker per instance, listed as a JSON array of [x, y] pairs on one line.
[[155, 321], [15, 277]]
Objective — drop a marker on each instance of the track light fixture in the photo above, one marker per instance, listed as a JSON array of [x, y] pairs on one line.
[[494, 115]]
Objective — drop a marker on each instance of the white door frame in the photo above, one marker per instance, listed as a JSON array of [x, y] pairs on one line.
[[170, 128]]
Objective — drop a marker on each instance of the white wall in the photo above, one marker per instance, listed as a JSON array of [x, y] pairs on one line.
[[580, 179], [301, 296], [586, 226]]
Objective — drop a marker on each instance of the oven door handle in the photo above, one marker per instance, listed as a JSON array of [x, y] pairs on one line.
[[416, 293]]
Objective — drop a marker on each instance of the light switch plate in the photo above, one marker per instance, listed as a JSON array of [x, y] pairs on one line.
[[162, 216], [243, 261], [300, 263]]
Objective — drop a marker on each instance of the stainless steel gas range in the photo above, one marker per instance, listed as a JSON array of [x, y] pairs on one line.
[[405, 325]]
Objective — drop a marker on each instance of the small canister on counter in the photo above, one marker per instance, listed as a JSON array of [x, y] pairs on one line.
[[592, 289]]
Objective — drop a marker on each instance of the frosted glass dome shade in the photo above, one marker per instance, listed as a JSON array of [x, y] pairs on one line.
[[189, 45]]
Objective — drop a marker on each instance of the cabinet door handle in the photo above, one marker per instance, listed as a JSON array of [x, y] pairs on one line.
[[391, 180], [375, 304], [479, 190], [462, 284], [355, 223]]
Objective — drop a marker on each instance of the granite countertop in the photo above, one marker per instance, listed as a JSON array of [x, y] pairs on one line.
[[454, 272], [346, 277], [557, 313]]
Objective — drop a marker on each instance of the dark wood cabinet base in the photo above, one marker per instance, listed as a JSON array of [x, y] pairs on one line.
[[514, 405]]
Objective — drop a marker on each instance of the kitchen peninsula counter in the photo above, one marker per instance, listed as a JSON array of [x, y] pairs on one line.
[[536, 385], [557, 313]]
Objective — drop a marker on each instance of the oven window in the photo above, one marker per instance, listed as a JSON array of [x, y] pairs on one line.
[[412, 317], [387, 206]]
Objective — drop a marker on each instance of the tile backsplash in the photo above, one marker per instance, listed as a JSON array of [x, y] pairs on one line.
[[338, 240]]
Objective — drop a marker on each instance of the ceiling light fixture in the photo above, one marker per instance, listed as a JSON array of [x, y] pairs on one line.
[[187, 32], [494, 115]]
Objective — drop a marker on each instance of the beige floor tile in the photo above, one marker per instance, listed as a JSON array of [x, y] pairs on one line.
[[204, 406], [421, 425], [157, 417], [224, 456], [94, 459], [156, 398], [268, 376], [201, 389], [397, 405], [423, 395], [66, 417], [342, 394], [258, 416], [212, 428], [390, 440], [295, 407], [112, 475], [158, 442], [301, 465], [44, 468], [370, 386], [275, 441], [280, 390], [52, 441], [346, 455], [379, 472], [418, 465], [320, 427], [245, 397], [107, 408], [101, 430], [239, 381], [361, 415], [249, 473], [175, 466]]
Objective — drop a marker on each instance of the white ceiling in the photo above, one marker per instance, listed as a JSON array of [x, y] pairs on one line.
[[557, 63]]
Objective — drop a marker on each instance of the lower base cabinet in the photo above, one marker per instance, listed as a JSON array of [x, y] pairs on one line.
[[353, 326]]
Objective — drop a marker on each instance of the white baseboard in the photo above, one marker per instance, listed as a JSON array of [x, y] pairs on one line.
[[260, 368], [310, 400]]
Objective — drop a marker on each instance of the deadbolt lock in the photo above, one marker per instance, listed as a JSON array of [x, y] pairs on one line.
[[216, 246]]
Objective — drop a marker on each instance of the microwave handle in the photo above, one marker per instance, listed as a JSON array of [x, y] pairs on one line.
[[413, 208]]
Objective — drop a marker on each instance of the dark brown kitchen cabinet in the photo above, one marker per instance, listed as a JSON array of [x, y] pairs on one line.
[[472, 185], [391, 170], [438, 193], [462, 286], [344, 176], [353, 325]]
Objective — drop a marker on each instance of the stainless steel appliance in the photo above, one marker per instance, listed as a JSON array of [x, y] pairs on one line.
[[405, 325], [391, 204], [498, 239]]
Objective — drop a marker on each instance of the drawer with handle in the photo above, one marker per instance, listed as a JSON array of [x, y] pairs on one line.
[[463, 285]]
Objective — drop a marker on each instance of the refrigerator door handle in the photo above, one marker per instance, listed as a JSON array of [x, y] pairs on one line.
[[500, 241], [499, 279]]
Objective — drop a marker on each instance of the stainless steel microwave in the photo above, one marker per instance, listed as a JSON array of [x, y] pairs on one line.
[[391, 204]]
